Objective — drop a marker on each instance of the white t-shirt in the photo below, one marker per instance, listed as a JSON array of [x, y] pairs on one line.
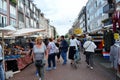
[[52, 47], [74, 42], [89, 46]]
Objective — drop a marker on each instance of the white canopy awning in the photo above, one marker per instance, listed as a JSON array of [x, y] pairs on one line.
[[27, 31], [6, 29]]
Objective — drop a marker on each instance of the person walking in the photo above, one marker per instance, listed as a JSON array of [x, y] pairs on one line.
[[51, 54], [2, 72], [73, 48], [39, 53], [58, 53], [31, 44], [89, 47], [64, 49]]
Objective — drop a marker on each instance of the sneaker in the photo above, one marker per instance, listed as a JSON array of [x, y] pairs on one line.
[[37, 74], [39, 78], [91, 68], [54, 68], [88, 66], [48, 69]]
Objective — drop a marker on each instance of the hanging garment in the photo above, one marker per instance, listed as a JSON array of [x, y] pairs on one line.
[[116, 19], [114, 51], [108, 40]]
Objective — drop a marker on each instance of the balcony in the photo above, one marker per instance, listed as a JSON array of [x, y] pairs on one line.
[[31, 15], [27, 14], [109, 8], [107, 22], [20, 9], [2, 25], [3, 11], [12, 15]]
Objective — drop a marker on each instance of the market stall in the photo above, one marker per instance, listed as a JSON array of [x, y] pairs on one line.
[[17, 62]]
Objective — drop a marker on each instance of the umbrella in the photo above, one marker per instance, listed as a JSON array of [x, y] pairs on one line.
[[26, 31], [5, 30], [34, 36]]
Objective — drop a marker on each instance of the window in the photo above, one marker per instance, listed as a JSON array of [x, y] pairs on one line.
[[13, 11], [13, 22], [27, 22], [27, 3], [3, 5], [34, 24], [20, 17], [96, 3], [20, 4], [31, 6], [3, 21], [31, 22]]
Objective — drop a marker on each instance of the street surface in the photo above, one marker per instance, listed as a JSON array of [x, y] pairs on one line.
[[67, 72]]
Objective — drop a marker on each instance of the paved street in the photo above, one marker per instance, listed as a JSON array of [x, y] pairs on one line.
[[67, 72]]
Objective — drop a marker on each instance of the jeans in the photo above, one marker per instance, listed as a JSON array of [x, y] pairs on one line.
[[77, 56], [89, 58], [51, 57], [2, 76], [64, 56], [40, 72]]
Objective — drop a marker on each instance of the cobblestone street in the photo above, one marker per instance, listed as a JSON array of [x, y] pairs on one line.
[[66, 72]]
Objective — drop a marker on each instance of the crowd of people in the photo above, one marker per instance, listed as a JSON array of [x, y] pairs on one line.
[[44, 51]]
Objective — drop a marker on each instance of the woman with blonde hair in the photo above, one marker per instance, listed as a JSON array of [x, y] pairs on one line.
[[39, 52]]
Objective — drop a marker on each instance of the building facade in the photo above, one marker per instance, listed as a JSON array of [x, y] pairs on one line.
[[52, 32], [22, 14], [80, 22], [109, 10], [8, 13], [94, 11], [44, 24]]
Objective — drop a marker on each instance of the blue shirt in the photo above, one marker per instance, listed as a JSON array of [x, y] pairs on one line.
[[64, 46]]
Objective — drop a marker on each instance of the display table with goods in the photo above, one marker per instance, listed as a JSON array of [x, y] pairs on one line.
[[17, 62]]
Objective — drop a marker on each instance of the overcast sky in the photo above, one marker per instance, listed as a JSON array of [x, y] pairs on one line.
[[61, 13]]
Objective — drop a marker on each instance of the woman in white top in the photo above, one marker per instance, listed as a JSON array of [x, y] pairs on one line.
[[89, 47], [72, 49]]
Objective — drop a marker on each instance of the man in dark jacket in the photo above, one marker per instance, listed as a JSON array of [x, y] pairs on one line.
[[64, 49]]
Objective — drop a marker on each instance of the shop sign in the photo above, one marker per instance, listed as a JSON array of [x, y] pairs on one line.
[[116, 36], [77, 31]]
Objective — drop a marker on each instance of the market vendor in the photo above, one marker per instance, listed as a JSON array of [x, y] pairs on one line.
[[31, 44]]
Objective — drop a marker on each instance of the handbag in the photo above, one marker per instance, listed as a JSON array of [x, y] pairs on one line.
[[56, 50], [40, 63]]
